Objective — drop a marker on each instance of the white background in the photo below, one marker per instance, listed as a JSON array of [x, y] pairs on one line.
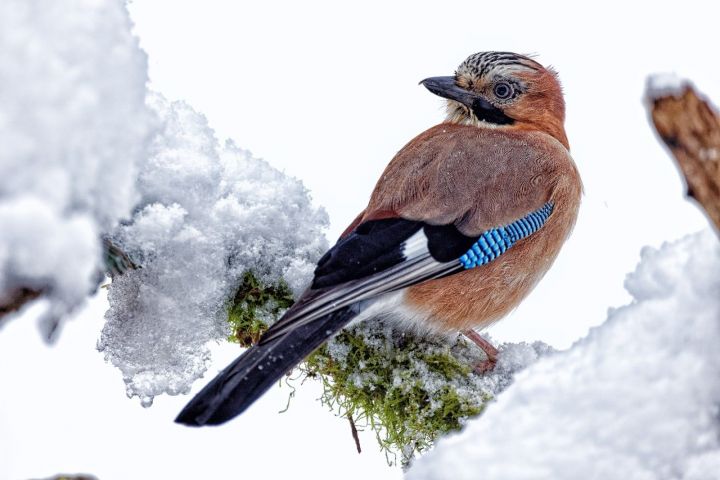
[[328, 92]]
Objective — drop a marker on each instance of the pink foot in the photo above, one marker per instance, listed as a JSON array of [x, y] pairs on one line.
[[487, 347]]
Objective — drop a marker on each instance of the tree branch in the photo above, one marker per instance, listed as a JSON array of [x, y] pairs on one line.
[[14, 300]]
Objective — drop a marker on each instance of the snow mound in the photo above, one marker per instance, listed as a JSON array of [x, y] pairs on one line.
[[74, 124], [207, 214], [637, 398]]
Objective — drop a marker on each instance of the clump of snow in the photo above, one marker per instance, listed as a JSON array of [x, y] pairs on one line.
[[207, 214], [512, 358], [74, 123], [637, 398], [662, 85]]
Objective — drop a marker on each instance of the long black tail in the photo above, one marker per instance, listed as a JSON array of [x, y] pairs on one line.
[[258, 368]]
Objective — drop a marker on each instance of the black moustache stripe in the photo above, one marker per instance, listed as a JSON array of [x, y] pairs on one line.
[[488, 113]]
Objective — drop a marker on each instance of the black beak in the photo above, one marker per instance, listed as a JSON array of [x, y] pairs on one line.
[[447, 88]]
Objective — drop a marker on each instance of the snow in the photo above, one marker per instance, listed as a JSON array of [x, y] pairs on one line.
[[512, 358], [665, 85], [74, 124], [637, 398], [207, 213]]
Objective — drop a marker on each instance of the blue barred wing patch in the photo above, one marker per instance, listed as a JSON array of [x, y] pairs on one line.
[[497, 241]]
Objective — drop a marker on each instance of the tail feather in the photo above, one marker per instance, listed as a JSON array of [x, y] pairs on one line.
[[258, 368]]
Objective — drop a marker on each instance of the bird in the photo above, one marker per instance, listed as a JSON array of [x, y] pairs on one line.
[[464, 221]]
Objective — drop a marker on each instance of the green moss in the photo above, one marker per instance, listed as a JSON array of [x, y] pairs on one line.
[[409, 390], [255, 306]]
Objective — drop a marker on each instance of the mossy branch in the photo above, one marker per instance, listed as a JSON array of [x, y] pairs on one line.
[[408, 389]]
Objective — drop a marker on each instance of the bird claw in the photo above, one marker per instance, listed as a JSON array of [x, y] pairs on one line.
[[487, 347], [485, 366]]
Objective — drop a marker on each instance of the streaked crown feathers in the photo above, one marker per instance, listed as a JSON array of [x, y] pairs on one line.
[[535, 98]]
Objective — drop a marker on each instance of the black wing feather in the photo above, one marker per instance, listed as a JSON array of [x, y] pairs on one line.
[[242, 382], [372, 247]]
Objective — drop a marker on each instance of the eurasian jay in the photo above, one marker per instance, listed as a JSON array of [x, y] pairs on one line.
[[460, 227]]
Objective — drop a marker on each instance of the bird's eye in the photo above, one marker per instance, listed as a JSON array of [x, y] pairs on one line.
[[503, 90]]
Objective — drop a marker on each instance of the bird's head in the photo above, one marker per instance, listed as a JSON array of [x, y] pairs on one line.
[[503, 89]]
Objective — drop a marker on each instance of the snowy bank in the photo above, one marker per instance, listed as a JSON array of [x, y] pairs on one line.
[[636, 399]]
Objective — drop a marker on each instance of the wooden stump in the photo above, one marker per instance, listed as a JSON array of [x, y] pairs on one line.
[[690, 127]]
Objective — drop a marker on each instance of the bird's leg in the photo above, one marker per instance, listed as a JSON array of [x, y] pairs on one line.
[[487, 347]]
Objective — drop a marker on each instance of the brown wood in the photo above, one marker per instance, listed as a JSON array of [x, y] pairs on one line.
[[690, 127], [14, 300]]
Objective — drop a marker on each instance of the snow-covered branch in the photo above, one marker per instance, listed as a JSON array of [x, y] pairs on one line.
[[74, 125], [89, 155]]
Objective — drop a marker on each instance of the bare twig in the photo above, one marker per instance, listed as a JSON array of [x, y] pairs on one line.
[[354, 431]]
